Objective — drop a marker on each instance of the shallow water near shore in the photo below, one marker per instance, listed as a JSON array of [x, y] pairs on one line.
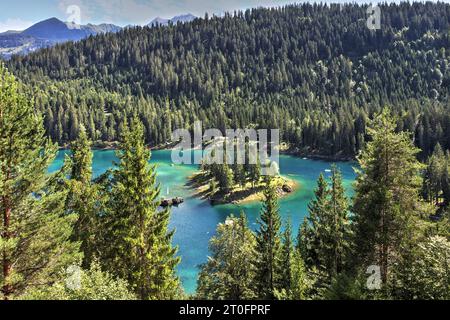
[[196, 220]]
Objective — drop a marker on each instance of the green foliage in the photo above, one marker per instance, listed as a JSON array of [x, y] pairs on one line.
[[337, 233], [81, 158], [268, 248], [387, 190], [141, 250], [300, 282], [228, 273], [286, 257], [225, 177], [254, 172], [235, 174], [425, 272], [240, 176], [84, 198], [345, 287], [91, 284], [308, 235], [324, 237], [436, 183], [35, 233], [293, 279]]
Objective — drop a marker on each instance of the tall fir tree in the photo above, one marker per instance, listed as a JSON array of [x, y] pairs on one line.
[[84, 198], [293, 279], [255, 172], [287, 250], [309, 241], [387, 190], [300, 285], [142, 251], [435, 177], [35, 233], [337, 230], [268, 248], [81, 169], [326, 231]]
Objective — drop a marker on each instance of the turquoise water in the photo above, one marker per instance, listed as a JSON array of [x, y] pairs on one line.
[[195, 220]]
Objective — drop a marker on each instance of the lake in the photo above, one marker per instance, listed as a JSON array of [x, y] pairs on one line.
[[195, 220]]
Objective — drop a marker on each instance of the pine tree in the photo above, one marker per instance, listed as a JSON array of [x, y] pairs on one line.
[[386, 191], [325, 235], [228, 273], [446, 184], [35, 233], [239, 175], [293, 280], [434, 183], [255, 172], [225, 178], [426, 275], [268, 247], [336, 235], [299, 278], [287, 250], [142, 251], [84, 198], [309, 234], [81, 158]]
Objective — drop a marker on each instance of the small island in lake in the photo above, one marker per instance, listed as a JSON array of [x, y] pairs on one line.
[[237, 184]]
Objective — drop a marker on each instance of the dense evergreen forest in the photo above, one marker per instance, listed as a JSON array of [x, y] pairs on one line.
[[314, 71]]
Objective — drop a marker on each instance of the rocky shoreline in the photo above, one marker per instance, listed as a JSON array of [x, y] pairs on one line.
[[316, 156]]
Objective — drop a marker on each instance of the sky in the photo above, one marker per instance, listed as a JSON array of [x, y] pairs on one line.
[[20, 14]]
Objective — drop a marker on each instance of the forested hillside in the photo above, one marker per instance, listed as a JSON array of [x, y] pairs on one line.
[[314, 71]]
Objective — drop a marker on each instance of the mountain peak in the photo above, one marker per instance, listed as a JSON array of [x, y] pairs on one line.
[[46, 33], [188, 17], [52, 28], [183, 18], [159, 21]]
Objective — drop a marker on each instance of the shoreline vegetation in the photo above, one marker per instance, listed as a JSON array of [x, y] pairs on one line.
[[285, 149], [114, 145], [238, 194]]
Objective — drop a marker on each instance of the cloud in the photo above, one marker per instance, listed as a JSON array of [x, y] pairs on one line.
[[14, 24], [111, 11], [142, 11]]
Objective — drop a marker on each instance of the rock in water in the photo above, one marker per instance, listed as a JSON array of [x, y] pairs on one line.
[[166, 203], [171, 202], [176, 201]]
